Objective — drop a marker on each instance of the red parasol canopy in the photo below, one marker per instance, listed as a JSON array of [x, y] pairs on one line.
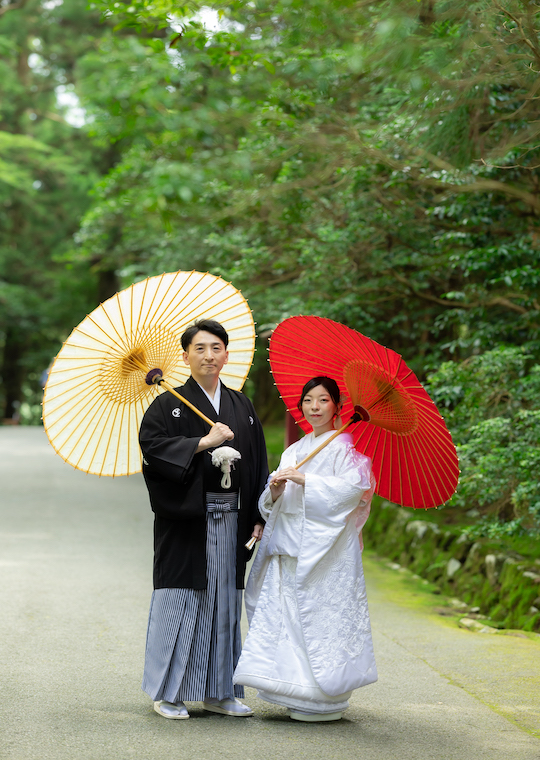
[[414, 459]]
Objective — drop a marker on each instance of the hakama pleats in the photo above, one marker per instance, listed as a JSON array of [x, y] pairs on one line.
[[194, 641]]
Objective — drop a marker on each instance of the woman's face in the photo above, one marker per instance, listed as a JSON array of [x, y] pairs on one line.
[[319, 409]]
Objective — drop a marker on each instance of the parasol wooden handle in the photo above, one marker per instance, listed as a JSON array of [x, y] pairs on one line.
[[168, 387], [355, 418], [155, 377]]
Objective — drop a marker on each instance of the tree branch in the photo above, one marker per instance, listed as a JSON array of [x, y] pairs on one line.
[[11, 7], [519, 25], [283, 278], [495, 301], [486, 186]]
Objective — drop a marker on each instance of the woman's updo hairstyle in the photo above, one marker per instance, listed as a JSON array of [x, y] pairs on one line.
[[327, 383]]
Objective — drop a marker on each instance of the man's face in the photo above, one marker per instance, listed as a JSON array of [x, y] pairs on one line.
[[205, 356]]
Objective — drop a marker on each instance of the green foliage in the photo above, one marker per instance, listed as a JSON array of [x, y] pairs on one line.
[[497, 383], [274, 435], [373, 163], [12, 172], [47, 168], [492, 404], [330, 157]]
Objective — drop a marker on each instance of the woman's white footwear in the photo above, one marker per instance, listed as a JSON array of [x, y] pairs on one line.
[[171, 710], [314, 717], [227, 707]]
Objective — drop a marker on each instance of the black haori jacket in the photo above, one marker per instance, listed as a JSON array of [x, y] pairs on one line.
[[169, 435]]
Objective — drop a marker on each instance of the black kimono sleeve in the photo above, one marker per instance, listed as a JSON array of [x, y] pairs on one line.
[[172, 470], [261, 474], [170, 457]]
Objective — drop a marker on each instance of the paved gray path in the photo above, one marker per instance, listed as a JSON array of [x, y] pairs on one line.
[[75, 571]]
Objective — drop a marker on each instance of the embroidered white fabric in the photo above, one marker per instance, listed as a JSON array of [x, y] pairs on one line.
[[309, 643]]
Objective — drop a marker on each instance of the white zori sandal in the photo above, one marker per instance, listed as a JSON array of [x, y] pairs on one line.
[[227, 707], [171, 710]]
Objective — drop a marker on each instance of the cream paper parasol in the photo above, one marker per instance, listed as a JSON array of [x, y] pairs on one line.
[[103, 379]]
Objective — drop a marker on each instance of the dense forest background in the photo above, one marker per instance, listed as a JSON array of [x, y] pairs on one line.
[[375, 163]]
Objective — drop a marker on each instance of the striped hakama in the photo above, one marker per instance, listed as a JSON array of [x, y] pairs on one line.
[[194, 641]]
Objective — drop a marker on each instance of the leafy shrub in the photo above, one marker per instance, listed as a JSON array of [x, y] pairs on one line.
[[491, 404]]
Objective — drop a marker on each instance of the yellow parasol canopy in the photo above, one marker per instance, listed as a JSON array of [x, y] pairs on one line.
[[97, 391]]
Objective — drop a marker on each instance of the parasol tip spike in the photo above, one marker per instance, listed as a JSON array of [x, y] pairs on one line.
[[154, 377]]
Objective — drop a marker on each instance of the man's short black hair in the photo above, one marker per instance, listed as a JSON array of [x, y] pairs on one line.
[[208, 325]]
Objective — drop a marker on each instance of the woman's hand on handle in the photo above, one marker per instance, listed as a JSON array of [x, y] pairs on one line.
[[276, 489], [278, 482]]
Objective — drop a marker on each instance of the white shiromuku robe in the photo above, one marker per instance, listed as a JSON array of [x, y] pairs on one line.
[[309, 642]]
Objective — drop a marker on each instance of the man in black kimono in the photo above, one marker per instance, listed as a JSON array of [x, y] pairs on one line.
[[200, 531]]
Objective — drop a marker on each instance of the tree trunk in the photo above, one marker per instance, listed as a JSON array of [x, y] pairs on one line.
[[108, 284], [266, 398], [12, 376]]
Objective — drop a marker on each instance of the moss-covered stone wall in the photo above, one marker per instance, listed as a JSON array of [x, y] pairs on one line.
[[504, 587]]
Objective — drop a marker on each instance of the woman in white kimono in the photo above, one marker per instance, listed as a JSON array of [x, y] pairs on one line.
[[309, 642]]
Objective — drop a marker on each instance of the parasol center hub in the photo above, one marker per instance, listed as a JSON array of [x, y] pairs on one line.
[[383, 400], [135, 361], [365, 416], [154, 377]]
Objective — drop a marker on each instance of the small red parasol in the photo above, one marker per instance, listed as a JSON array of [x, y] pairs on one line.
[[400, 428]]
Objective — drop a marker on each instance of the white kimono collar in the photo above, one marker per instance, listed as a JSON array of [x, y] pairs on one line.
[[309, 442], [216, 401]]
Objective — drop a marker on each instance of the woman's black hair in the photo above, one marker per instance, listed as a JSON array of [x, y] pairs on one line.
[[327, 383], [208, 325]]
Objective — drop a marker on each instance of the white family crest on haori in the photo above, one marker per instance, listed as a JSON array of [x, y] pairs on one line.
[[104, 377], [223, 457]]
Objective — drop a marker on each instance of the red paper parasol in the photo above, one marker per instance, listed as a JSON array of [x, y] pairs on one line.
[[414, 459]]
